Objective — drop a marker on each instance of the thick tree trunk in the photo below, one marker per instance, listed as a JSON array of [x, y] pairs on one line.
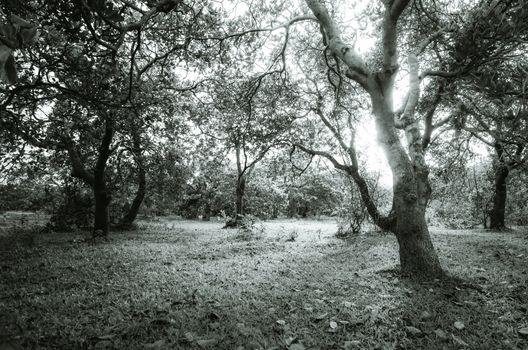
[[411, 193], [417, 255], [499, 199], [101, 214]]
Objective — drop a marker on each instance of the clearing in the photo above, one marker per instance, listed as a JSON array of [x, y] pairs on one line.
[[291, 284]]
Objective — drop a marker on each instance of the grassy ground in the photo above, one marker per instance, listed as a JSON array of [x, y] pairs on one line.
[[192, 285]]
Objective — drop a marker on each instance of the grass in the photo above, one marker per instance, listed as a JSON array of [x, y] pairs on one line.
[[191, 285]]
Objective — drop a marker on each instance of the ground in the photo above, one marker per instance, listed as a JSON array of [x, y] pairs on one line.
[[176, 284]]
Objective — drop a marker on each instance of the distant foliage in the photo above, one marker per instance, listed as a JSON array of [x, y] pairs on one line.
[[314, 195], [516, 203], [75, 209], [352, 215], [27, 196], [462, 197], [265, 198]]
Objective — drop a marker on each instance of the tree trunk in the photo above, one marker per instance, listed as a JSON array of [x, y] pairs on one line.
[[411, 193], [102, 203], [240, 191], [129, 218], [417, 255], [95, 180], [499, 198]]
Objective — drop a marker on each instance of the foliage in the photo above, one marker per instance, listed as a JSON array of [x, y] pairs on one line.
[[74, 210], [314, 195], [462, 193], [517, 206]]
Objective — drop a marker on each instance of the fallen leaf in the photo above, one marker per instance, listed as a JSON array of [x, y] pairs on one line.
[[214, 325], [351, 344], [459, 341], [426, 315], [413, 330], [296, 346], [440, 334], [156, 345], [189, 336], [206, 342], [459, 325], [523, 331], [320, 316], [106, 337]]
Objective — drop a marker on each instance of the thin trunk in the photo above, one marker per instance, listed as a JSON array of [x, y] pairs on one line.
[[130, 216], [499, 198], [240, 192]]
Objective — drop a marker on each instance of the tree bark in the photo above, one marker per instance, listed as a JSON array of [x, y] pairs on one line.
[[240, 192], [499, 199], [96, 179], [129, 218], [102, 204], [411, 191]]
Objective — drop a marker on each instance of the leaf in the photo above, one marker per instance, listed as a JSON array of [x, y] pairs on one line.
[[158, 344], [20, 22], [7, 32], [523, 331], [28, 35], [106, 337], [296, 346], [320, 317], [413, 330], [351, 344], [206, 342], [426, 315], [189, 336], [8, 71], [459, 325], [458, 340], [440, 334]]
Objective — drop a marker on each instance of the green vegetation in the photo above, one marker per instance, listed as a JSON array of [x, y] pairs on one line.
[[191, 285]]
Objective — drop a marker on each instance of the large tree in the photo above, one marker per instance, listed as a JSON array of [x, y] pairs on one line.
[[428, 36]]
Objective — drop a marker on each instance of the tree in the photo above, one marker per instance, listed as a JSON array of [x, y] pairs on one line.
[[498, 116], [421, 32], [411, 188], [97, 57], [248, 116]]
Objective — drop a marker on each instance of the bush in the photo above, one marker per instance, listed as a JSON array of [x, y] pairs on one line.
[[74, 211]]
